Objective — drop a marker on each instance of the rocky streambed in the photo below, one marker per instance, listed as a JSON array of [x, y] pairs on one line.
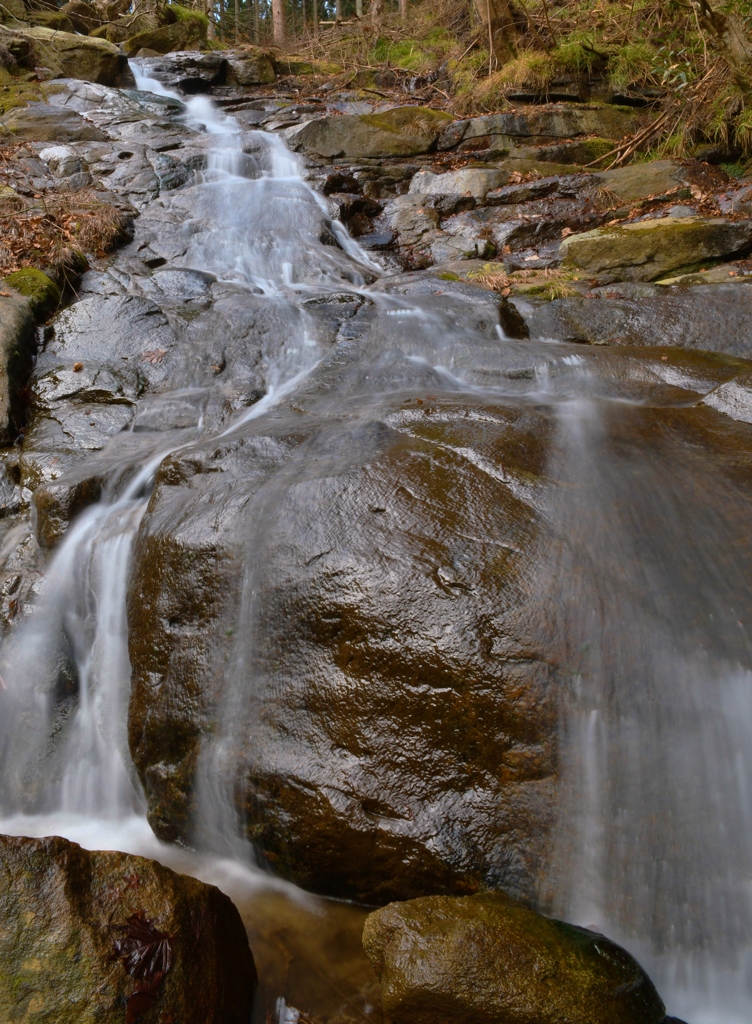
[[378, 511]]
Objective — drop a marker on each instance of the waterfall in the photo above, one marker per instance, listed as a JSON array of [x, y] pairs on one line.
[[652, 599]]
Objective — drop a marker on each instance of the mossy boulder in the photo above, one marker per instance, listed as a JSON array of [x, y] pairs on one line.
[[67, 55], [541, 124], [12, 11], [298, 66], [401, 131], [83, 16], [64, 924], [14, 94], [183, 34], [58, 21], [638, 181], [649, 249], [41, 291], [486, 959], [253, 68]]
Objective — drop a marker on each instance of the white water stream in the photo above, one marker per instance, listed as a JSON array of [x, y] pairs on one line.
[[617, 867]]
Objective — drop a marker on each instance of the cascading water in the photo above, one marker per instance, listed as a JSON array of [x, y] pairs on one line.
[[653, 837]]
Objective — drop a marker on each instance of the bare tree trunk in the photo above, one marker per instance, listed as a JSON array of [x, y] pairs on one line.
[[496, 16], [256, 21], [358, 8], [403, 10], [303, 4], [278, 21], [337, 10], [732, 39], [377, 13], [237, 21], [315, 18]]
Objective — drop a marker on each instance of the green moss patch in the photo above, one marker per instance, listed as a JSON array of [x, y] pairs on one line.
[[41, 291]]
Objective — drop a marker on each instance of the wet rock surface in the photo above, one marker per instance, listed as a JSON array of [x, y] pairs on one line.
[[91, 936], [487, 958], [352, 587]]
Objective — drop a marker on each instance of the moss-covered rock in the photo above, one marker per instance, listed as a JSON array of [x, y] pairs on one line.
[[58, 21], [298, 66], [487, 959], [183, 34], [83, 16], [401, 131], [12, 11], [67, 55], [541, 124], [253, 68], [41, 291], [14, 94], [638, 181], [64, 920], [649, 249]]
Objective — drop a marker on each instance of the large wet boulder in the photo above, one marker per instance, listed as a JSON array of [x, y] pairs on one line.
[[67, 55], [105, 937], [649, 249], [401, 131], [391, 725], [485, 959], [17, 348]]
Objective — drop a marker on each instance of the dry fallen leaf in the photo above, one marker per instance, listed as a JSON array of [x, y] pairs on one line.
[[566, 232], [77, 367], [155, 356]]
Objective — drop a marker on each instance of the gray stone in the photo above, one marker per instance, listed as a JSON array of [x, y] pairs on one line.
[[400, 131], [474, 181]]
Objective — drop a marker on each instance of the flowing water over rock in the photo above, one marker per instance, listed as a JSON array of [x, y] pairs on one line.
[[365, 591]]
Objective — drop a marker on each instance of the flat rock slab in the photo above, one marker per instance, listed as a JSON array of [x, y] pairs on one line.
[[715, 318], [68, 918], [474, 181], [484, 959], [540, 123], [42, 122], [648, 249], [401, 131]]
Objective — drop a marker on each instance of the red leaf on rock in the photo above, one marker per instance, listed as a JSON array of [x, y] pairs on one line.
[[145, 951]]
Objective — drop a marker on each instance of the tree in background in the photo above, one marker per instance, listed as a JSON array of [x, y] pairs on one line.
[[497, 19]]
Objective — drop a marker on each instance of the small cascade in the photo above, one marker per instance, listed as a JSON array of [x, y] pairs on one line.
[[652, 842]]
